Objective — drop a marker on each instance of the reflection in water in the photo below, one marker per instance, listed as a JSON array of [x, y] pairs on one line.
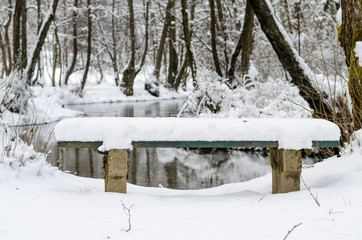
[[172, 168]]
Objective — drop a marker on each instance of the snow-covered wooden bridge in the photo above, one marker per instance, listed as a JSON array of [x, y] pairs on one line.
[[116, 136]]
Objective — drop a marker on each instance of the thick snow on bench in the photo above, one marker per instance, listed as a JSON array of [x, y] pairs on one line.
[[118, 133]]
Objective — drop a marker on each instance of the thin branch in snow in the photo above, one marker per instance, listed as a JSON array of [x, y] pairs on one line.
[[127, 211], [307, 187], [291, 230], [261, 198]]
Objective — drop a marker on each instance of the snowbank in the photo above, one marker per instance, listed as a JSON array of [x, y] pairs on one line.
[[118, 133]]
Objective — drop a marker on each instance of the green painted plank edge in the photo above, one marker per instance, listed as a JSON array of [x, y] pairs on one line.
[[192, 144], [325, 143], [203, 144]]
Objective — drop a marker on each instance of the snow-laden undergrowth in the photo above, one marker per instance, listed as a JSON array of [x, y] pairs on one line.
[[255, 98], [18, 159]]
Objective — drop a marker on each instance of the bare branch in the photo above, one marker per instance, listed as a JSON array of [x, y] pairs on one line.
[[127, 211], [307, 187], [291, 230]]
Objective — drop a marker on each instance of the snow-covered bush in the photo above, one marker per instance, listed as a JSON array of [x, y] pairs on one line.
[[212, 96], [257, 98], [18, 158]]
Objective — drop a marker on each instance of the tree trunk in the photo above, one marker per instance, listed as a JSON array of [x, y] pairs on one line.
[[244, 45], [140, 65], [189, 58], [24, 40], [4, 58], [173, 60], [16, 33], [7, 41], [213, 38], [39, 72], [298, 70], [350, 32], [89, 45], [223, 32], [114, 48], [40, 41], [74, 42], [129, 72], [161, 45], [247, 36]]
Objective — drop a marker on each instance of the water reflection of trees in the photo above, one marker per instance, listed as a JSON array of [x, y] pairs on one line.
[[172, 168]]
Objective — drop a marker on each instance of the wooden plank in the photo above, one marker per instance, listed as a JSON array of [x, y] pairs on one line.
[[193, 144], [203, 144], [325, 143], [78, 144]]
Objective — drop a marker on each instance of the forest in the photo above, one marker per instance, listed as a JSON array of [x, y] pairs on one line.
[[178, 42], [225, 70]]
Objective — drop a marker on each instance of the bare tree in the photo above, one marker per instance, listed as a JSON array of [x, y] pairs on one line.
[[244, 45], [34, 56], [5, 41], [162, 41], [89, 45], [189, 60], [129, 72], [74, 42], [213, 38], [173, 58]]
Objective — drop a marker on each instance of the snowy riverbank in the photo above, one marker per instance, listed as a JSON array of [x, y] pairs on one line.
[[40, 202]]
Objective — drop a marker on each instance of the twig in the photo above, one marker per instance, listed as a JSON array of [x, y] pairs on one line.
[[261, 198], [307, 187], [127, 211], [291, 230]]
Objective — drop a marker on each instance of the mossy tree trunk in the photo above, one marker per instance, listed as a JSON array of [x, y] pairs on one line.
[[350, 32]]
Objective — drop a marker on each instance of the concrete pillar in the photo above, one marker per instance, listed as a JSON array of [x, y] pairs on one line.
[[286, 168], [116, 171]]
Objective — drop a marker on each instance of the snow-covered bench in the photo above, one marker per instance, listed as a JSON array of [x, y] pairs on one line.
[[284, 137]]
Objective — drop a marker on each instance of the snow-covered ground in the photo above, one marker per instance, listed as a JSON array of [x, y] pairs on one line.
[[40, 202], [37, 201]]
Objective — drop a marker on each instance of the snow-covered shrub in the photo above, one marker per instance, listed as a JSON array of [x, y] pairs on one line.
[[212, 96], [18, 158], [257, 98]]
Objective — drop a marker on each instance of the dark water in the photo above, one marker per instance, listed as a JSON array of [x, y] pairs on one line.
[[171, 168]]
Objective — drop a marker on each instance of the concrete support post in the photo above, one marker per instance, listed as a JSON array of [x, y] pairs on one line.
[[286, 169], [116, 171]]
